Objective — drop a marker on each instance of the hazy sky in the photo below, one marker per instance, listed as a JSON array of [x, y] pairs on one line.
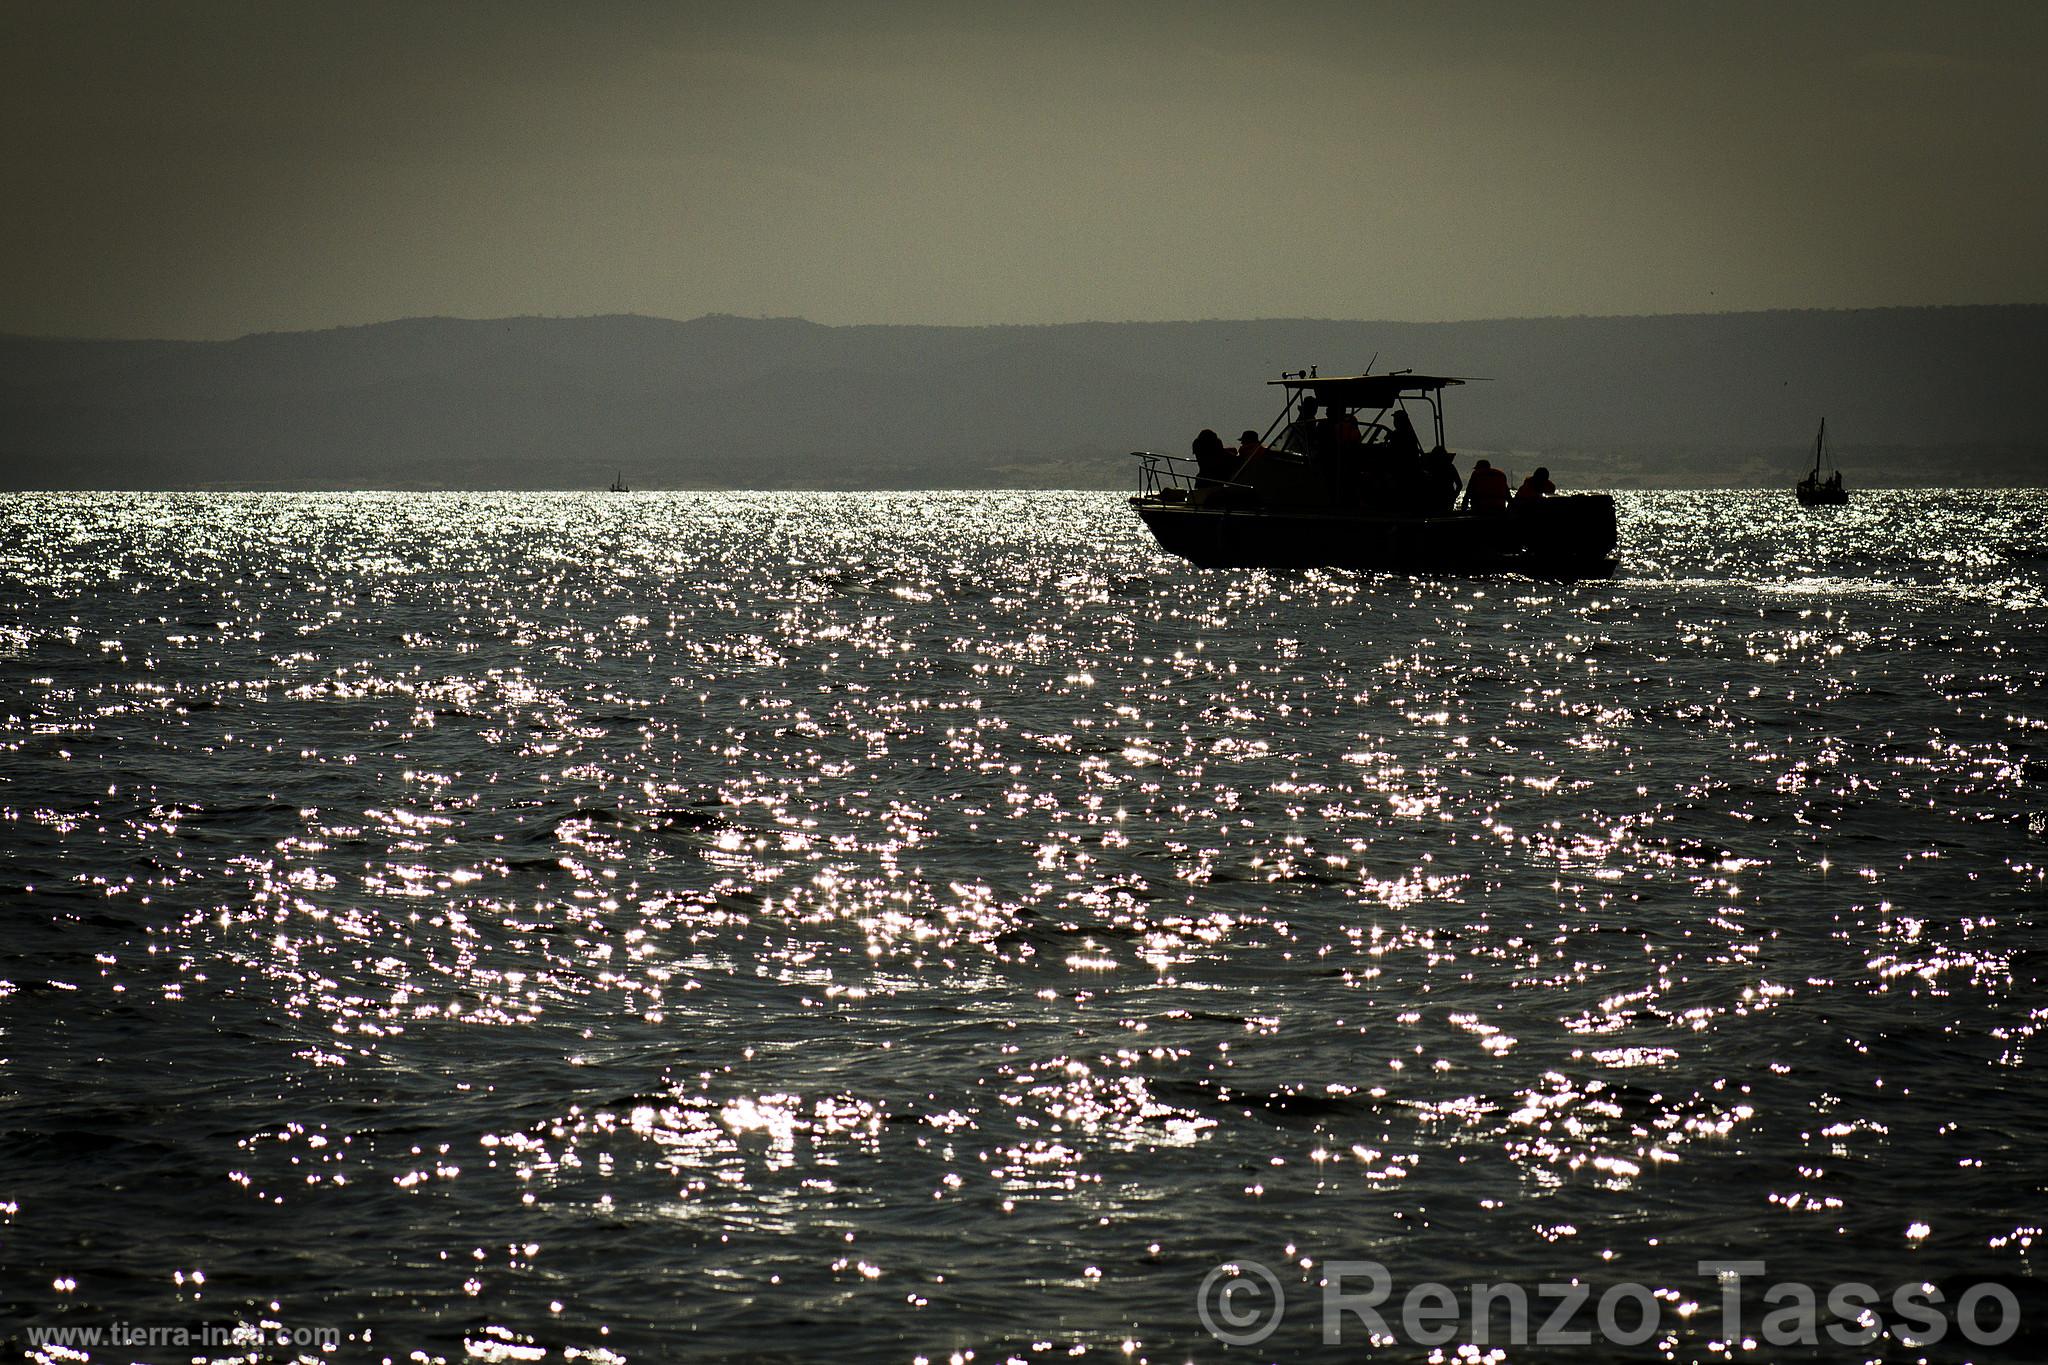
[[204, 170]]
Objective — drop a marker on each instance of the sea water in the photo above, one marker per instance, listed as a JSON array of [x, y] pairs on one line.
[[897, 926]]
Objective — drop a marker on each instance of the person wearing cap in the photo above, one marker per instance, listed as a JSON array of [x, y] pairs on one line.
[[1250, 449]]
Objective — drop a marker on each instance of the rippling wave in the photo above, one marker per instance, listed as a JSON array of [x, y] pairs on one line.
[[904, 925]]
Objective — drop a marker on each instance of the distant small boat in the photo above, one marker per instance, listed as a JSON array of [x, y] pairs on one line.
[[619, 483], [1813, 490]]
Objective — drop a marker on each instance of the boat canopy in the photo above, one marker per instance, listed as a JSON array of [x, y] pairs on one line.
[[1366, 390]]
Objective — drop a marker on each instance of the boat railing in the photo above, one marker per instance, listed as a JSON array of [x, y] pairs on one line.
[[1160, 474]]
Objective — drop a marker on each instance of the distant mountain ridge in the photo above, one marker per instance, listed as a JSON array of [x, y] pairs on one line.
[[1913, 395]]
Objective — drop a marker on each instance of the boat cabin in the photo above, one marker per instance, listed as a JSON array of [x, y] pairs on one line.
[[1354, 395], [1347, 441]]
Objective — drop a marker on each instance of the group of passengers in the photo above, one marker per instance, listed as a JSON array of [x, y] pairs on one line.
[[1487, 489], [1396, 472]]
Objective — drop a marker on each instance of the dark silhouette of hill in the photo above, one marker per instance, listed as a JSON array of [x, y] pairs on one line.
[[1913, 395]]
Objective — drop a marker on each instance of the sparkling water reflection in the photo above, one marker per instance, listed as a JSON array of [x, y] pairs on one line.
[[566, 927]]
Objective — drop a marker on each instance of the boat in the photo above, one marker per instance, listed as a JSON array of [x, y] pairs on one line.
[[1813, 491], [619, 483], [1354, 490]]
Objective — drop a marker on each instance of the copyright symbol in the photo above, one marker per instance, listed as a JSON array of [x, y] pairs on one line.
[[1240, 1303]]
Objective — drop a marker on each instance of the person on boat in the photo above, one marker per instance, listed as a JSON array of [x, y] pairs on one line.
[[1406, 445], [1305, 437], [1348, 437], [1536, 487], [1245, 466], [1212, 459], [1440, 482], [1487, 489], [1347, 470]]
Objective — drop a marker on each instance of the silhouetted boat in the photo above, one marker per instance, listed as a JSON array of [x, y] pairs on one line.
[[1813, 491], [1354, 491], [619, 483]]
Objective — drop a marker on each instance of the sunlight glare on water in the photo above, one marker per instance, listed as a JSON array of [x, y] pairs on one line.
[[580, 927]]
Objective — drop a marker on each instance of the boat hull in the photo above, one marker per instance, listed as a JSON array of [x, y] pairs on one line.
[[1559, 537], [1822, 497]]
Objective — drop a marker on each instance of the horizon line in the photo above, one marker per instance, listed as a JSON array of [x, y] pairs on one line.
[[764, 318]]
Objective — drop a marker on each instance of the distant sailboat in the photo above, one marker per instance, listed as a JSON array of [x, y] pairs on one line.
[[619, 482], [1813, 491]]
